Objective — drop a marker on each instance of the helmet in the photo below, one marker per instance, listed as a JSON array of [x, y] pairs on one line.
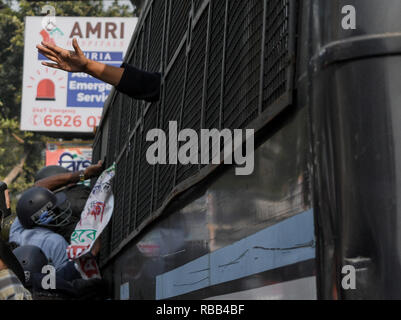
[[32, 260], [40, 207], [49, 171]]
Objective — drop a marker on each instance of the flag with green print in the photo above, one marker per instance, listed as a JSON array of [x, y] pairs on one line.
[[94, 219]]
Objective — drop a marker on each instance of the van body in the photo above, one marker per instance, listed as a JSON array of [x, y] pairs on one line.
[[318, 218]]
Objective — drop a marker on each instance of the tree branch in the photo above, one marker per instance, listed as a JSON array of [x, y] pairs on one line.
[[20, 140], [16, 171]]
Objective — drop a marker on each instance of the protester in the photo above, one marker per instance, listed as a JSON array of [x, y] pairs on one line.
[[40, 213], [10, 287], [127, 79], [77, 194], [11, 276], [33, 260]]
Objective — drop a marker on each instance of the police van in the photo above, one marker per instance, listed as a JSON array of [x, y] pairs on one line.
[[318, 217]]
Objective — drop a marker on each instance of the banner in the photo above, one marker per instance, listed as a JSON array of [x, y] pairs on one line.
[[56, 101], [73, 156], [94, 219]]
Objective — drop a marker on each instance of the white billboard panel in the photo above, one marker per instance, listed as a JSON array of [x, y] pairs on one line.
[[57, 101]]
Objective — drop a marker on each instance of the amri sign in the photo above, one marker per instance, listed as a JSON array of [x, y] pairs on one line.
[[57, 101]]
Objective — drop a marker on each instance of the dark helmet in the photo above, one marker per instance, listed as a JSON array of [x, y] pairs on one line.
[[49, 171], [40, 207], [32, 260]]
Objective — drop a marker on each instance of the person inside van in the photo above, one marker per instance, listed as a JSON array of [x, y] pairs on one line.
[[136, 83], [12, 277]]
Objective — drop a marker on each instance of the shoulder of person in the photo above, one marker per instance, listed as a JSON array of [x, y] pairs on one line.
[[16, 225], [55, 238]]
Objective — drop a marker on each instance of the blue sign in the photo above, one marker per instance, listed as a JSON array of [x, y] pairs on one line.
[[86, 91], [100, 56]]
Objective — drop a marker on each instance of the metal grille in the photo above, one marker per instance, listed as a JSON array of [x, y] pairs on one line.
[[212, 81], [242, 67], [171, 112], [215, 60], [118, 214], [133, 112], [138, 61], [97, 149], [127, 198], [156, 35], [146, 37], [96, 153], [134, 164], [123, 102], [198, 4], [179, 13], [146, 171], [113, 134], [192, 111], [277, 55], [105, 244]]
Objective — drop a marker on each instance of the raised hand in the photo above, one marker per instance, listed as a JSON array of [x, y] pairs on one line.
[[71, 61]]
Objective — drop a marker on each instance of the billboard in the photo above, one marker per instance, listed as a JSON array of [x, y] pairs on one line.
[[56, 101], [71, 155]]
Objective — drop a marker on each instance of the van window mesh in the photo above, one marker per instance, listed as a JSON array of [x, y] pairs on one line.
[[277, 58], [124, 104], [146, 171], [242, 67], [215, 60], [118, 214], [134, 163], [174, 90], [198, 4], [192, 110], [156, 35], [178, 24], [223, 76]]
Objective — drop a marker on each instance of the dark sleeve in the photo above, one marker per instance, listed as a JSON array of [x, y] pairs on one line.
[[139, 84]]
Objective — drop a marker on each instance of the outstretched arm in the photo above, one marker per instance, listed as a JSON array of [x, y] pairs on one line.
[[75, 61], [63, 179], [137, 84]]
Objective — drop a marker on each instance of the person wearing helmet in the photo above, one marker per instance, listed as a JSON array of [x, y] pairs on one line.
[[59, 179], [41, 213], [12, 278], [33, 260], [77, 194]]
